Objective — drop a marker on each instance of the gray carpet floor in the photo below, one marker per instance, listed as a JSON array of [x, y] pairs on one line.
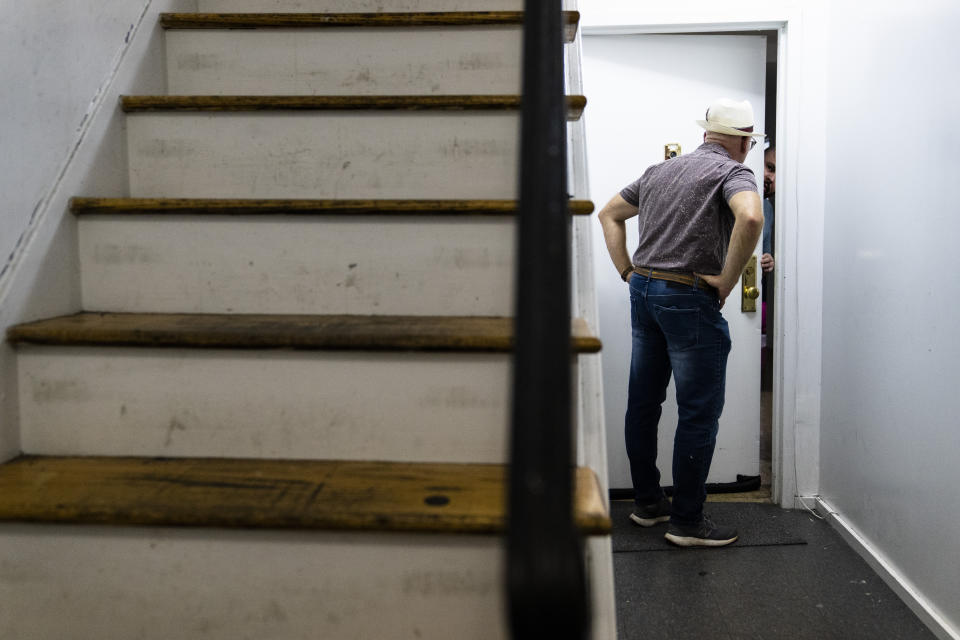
[[790, 576]]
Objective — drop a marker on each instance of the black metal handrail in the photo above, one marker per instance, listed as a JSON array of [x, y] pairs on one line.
[[546, 582]]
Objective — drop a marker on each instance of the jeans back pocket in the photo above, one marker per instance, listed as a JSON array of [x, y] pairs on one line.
[[680, 325]]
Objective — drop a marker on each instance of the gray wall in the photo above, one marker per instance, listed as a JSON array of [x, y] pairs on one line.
[[890, 438]]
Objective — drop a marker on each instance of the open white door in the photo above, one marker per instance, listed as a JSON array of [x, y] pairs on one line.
[[644, 92]]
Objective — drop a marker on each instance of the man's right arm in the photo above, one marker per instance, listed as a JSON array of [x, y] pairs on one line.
[[613, 219], [747, 227]]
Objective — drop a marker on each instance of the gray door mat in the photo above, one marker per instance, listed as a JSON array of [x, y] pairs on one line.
[[759, 525]]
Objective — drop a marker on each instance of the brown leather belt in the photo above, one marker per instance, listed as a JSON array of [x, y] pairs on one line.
[[676, 276]]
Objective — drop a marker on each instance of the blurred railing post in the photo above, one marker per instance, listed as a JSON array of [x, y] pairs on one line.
[[545, 572]]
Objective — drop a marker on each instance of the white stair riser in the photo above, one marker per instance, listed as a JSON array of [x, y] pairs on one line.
[[264, 404], [160, 583], [298, 264], [345, 61], [324, 154], [359, 6]]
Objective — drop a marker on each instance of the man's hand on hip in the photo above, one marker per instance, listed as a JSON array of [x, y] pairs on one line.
[[717, 282]]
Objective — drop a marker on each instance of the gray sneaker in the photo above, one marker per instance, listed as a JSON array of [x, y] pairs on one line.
[[705, 534], [652, 513]]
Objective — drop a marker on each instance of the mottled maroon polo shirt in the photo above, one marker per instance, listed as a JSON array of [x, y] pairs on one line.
[[685, 221]]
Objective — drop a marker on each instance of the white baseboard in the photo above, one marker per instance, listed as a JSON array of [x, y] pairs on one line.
[[905, 589]]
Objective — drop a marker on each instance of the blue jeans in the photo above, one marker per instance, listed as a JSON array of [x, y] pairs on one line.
[[676, 328]]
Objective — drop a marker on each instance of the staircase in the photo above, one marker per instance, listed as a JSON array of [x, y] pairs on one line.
[[284, 409]]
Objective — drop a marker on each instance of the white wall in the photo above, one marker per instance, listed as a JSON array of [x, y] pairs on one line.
[[891, 301], [61, 134], [57, 57]]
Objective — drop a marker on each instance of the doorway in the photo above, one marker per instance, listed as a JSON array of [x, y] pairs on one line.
[[746, 444]]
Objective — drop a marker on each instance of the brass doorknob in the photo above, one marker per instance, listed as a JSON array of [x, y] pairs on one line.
[[749, 291]]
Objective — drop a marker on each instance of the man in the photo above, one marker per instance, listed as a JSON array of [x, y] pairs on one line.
[[700, 218]]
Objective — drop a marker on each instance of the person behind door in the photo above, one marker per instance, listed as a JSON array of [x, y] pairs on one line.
[[767, 262], [700, 218]]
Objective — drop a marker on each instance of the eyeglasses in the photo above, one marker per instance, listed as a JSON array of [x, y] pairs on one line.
[[753, 143]]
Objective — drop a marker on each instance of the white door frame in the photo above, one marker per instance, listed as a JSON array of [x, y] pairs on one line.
[[797, 338]]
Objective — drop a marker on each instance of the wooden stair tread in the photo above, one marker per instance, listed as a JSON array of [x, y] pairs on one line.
[[320, 20], [138, 104], [82, 205], [263, 331], [306, 494]]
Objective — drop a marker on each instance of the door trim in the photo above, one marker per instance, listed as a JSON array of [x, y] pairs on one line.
[[798, 328]]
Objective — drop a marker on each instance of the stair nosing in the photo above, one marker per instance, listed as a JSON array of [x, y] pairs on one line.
[[244, 103], [269, 493], [248, 21], [483, 334], [81, 205]]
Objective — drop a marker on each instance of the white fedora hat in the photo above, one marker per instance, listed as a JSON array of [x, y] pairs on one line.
[[730, 117]]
